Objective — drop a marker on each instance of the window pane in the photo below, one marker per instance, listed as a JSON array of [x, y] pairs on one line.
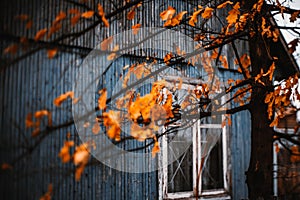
[[180, 174], [212, 174]]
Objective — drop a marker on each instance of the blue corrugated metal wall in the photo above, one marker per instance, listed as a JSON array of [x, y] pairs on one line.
[[35, 81]]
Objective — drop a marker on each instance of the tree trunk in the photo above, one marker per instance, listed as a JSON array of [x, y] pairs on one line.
[[260, 171]]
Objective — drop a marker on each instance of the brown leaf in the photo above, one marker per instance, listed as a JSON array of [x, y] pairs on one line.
[[292, 45], [105, 44], [40, 34], [87, 14], [294, 16]]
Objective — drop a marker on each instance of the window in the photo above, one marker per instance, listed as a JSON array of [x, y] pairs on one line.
[[207, 152]]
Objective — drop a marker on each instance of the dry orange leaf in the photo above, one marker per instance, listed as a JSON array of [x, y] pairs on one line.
[[11, 49], [207, 13], [62, 15], [233, 14], [48, 194], [29, 24], [51, 53], [100, 10], [64, 153], [73, 11], [75, 19], [88, 14], [111, 120], [96, 128], [102, 99], [223, 5], [194, 19], [28, 122], [105, 44], [155, 149], [136, 28], [113, 55], [105, 21], [81, 158], [60, 99], [22, 17], [130, 14], [6, 166], [40, 34], [167, 14]]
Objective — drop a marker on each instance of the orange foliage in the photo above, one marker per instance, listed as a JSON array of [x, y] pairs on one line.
[[48, 194], [102, 15], [88, 14], [111, 121], [223, 5], [60, 99], [102, 99], [80, 159], [51, 53], [233, 14], [64, 153], [207, 13], [11, 49], [40, 34], [136, 28]]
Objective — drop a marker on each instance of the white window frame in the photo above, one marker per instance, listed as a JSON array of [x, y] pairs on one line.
[[163, 171]]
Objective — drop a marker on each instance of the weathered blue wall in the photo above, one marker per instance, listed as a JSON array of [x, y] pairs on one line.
[[35, 81]]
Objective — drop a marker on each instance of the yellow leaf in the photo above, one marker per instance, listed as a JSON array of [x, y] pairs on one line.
[[40, 34], [88, 14], [167, 14], [51, 53], [207, 13], [102, 99], [223, 5]]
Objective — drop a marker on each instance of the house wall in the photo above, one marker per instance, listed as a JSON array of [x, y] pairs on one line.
[[33, 83]]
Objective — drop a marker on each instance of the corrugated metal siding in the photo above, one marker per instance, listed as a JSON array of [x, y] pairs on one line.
[[34, 82]]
